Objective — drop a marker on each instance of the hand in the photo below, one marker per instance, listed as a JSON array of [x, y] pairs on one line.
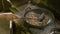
[[9, 16]]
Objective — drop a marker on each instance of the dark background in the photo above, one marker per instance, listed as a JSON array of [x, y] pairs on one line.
[[52, 5]]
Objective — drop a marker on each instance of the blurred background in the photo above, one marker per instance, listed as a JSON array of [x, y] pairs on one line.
[[10, 6], [52, 5]]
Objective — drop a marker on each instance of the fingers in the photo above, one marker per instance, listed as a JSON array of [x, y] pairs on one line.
[[16, 16], [12, 16]]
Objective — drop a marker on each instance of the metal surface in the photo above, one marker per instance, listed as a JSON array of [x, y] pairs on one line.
[[49, 14], [46, 30]]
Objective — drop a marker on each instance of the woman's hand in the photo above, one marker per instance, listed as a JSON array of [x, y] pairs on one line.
[[9, 16]]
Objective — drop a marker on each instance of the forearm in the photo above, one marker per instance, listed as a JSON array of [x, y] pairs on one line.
[[9, 16]]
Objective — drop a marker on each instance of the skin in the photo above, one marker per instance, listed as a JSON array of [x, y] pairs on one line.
[[9, 16]]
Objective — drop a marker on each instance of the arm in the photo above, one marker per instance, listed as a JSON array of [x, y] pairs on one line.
[[9, 16]]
